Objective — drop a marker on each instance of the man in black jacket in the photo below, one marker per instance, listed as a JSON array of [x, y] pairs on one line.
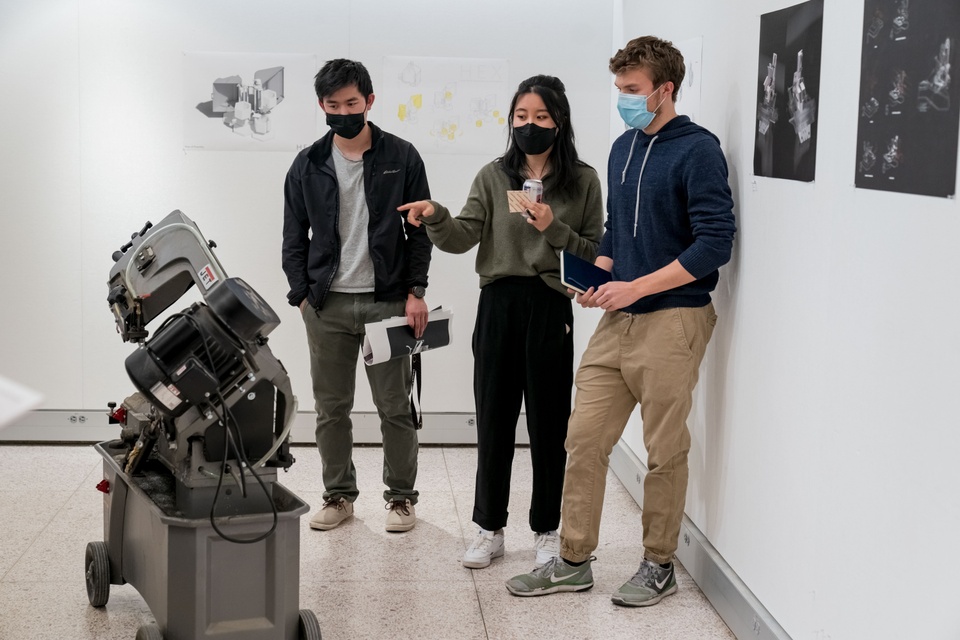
[[350, 259]]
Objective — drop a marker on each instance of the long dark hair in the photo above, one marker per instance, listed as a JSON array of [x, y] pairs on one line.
[[564, 159]]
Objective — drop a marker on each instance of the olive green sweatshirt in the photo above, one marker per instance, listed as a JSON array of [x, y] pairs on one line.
[[511, 246]]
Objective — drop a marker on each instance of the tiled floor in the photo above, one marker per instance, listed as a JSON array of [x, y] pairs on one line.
[[360, 581]]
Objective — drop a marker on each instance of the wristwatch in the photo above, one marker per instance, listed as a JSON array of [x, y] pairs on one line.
[[418, 291]]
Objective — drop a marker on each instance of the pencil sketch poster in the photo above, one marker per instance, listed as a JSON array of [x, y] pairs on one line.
[[249, 101], [788, 90], [908, 121], [446, 105]]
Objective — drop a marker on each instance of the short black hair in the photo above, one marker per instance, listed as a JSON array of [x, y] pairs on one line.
[[340, 73]]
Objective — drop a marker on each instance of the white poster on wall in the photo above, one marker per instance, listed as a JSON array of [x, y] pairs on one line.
[[249, 101], [446, 105]]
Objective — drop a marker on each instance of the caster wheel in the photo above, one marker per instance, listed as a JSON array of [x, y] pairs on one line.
[[97, 567], [149, 632], [309, 628]]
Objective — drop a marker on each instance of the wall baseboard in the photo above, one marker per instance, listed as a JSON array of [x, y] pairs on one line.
[[743, 613], [92, 426]]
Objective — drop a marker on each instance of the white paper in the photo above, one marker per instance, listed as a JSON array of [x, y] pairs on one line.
[[446, 105], [283, 120], [15, 400], [377, 345]]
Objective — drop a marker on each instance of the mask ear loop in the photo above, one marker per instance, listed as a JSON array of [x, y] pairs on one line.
[[661, 99]]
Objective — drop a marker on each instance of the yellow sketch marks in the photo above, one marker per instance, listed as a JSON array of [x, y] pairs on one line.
[[446, 130], [446, 126], [408, 112], [410, 75], [485, 111], [457, 104]]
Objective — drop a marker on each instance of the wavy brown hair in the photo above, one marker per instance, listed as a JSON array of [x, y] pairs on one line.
[[659, 58]]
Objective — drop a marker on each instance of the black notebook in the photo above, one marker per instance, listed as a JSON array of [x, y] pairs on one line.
[[579, 275]]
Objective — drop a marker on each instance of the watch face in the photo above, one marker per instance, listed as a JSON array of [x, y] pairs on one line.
[[418, 291]]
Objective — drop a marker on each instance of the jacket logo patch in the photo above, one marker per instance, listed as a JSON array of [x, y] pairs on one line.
[[389, 171]]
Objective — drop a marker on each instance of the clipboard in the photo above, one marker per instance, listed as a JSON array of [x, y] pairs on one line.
[[580, 275]]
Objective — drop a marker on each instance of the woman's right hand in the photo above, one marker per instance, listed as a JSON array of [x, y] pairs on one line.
[[417, 210]]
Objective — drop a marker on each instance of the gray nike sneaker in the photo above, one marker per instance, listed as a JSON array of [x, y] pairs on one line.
[[649, 585], [552, 577]]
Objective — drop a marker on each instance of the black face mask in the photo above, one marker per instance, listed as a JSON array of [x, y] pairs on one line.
[[534, 140], [346, 126]]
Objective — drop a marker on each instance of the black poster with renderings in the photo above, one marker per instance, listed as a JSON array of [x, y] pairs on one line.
[[788, 86], [909, 125]]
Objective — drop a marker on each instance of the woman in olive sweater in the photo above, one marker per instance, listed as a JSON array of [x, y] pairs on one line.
[[523, 338]]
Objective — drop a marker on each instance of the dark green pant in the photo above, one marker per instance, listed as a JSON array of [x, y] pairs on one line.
[[335, 335]]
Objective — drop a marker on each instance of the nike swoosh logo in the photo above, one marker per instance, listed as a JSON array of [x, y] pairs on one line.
[[659, 584], [554, 579]]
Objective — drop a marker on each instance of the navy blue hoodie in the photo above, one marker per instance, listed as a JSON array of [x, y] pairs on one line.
[[685, 210]]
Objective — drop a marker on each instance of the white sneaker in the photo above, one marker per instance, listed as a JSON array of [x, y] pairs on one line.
[[547, 546], [487, 546]]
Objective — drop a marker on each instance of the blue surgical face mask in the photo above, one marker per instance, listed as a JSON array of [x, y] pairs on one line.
[[633, 109]]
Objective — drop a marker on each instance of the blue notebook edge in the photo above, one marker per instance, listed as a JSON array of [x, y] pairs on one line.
[[579, 275]]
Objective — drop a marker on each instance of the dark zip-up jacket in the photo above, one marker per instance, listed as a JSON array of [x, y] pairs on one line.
[[393, 174]]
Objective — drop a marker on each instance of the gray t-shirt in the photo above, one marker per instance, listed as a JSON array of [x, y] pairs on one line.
[[355, 274]]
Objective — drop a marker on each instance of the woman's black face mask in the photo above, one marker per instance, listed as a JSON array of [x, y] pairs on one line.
[[534, 140]]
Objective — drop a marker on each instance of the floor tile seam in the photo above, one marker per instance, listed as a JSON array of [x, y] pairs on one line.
[[380, 580], [463, 541], [453, 495], [43, 529], [20, 556]]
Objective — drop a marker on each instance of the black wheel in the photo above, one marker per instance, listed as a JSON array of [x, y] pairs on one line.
[[309, 628], [149, 632], [97, 567]]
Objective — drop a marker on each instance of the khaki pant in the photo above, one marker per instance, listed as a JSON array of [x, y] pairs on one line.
[[650, 358]]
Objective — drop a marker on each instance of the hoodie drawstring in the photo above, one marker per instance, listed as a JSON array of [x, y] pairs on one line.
[[623, 176], [636, 211]]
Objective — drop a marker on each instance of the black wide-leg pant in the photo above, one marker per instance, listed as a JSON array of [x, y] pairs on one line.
[[523, 351]]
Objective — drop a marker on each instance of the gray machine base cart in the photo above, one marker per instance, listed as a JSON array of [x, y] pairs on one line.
[[197, 584]]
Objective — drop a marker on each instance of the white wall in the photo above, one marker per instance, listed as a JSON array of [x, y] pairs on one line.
[[92, 148], [41, 340], [824, 437]]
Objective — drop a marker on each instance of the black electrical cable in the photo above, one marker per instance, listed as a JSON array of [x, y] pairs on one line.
[[242, 460], [228, 440]]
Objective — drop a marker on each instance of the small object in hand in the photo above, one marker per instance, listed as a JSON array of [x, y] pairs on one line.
[[534, 190], [517, 201]]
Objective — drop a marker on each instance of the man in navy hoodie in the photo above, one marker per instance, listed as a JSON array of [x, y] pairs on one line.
[[669, 228]]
